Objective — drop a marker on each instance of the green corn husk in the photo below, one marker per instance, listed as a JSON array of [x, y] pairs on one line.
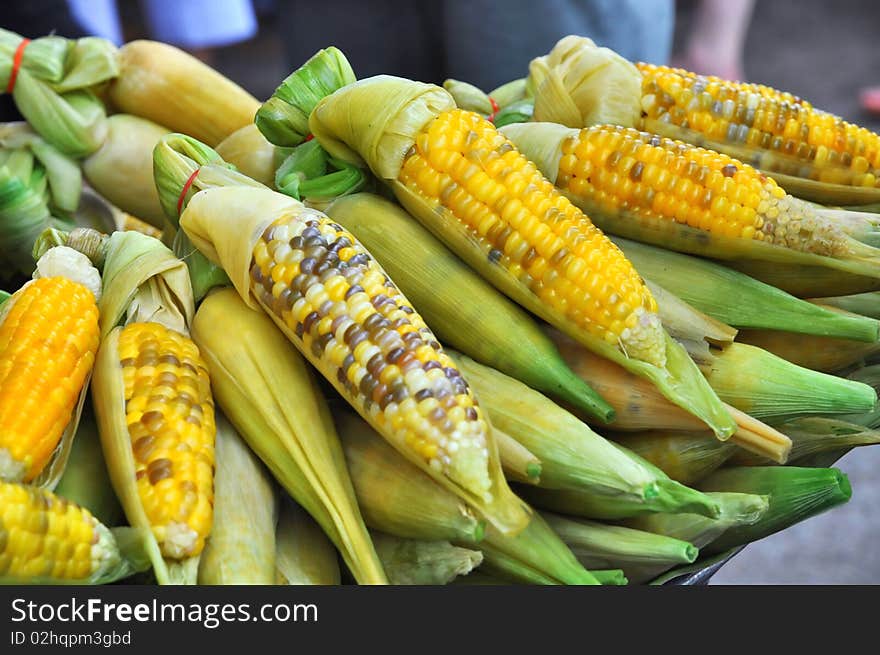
[[518, 462], [86, 481], [310, 175], [573, 457], [826, 354], [4, 296], [610, 546], [511, 92], [284, 118], [685, 456], [398, 498], [121, 170], [610, 577], [249, 151], [806, 281], [520, 111], [241, 548], [739, 300], [304, 554], [813, 435], [868, 375], [412, 562], [469, 97], [768, 387], [864, 304], [795, 494], [499, 334], [253, 377], [52, 90]]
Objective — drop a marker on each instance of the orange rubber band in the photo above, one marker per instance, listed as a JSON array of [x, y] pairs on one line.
[[495, 109], [16, 64], [192, 178]]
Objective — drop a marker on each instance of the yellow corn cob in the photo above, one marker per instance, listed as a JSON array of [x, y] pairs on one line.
[[48, 339], [461, 162], [170, 417], [797, 139], [47, 538]]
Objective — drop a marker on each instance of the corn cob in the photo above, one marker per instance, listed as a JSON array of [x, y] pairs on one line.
[[795, 494], [249, 151], [470, 186], [653, 189], [768, 387], [339, 308], [86, 481], [50, 324], [412, 562], [52, 88], [399, 499], [826, 354], [304, 554], [296, 442], [121, 170], [499, 333], [739, 300], [599, 546], [639, 406], [163, 84], [683, 456], [152, 396], [241, 548], [49, 540], [573, 456]]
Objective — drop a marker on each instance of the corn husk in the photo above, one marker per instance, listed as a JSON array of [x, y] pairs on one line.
[[304, 555], [310, 175], [685, 456], [469, 97], [4, 296], [579, 84], [53, 90], [284, 118], [376, 120], [241, 548], [249, 151], [826, 354], [610, 577], [816, 434], [804, 280], [864, 304], [396, 497], [741, 301], [500, 334], [518, 462], [412, 562], [795, 494], [520, 111], [86, 481], [600, 546], [121, 170], [571, 454], [868, 375], [166, 85], [63, 262], [253, 377], [225, 224], [768, 387]]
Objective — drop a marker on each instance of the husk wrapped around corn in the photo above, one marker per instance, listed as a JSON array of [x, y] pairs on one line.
[[241, 548], [459, 452], [170, 87], [121, 170], [254, 377], [353, 125], [304, 555], [249, 151], [54, 87], [498, 333], [52, 321], [412, 562]]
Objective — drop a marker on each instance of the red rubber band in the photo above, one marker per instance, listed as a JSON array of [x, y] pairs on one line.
[[16, 64], [192, 178], [309, 137], [495, 109]]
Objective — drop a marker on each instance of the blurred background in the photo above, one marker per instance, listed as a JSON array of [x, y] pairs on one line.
[[824, 52]]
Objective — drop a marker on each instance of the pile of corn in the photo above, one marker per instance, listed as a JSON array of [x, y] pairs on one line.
[[585, 329]]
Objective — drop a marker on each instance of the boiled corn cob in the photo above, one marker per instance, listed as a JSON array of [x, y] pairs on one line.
[[296, 441], [649, 188], [166, 85], [339, 308], [49, 540], [499, 334], [48, 341], [470, 186], [685, 456], [304, 554], [249, 151]]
